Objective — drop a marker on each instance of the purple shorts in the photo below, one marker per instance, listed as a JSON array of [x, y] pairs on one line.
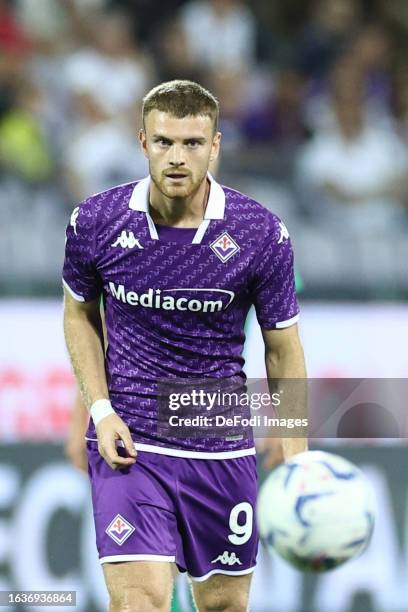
[[198, 513]]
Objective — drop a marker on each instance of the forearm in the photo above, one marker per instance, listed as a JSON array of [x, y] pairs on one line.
[[84, 339], [80, 414], [287, 363], [286, 373]]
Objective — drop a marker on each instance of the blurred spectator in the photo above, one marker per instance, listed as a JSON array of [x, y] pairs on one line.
[[102, 151], [370, 50], [367, 52], [278, 119], [279, 26], [395, 12], [354, 172], [400, 102], [44, 19], [13, 38], [229, 87], [220, 33], [15, 47], [73, 72], [325, 34], [49, 19], [24, 149], [174, 60], [112, 67], [149, 20]]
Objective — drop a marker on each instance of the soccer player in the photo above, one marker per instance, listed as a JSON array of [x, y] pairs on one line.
[[179, 260]]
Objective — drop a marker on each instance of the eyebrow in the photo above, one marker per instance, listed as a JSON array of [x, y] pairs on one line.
[[199, 139]]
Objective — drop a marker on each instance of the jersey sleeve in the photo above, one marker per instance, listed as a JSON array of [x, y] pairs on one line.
[[80, 276], [273, 288]]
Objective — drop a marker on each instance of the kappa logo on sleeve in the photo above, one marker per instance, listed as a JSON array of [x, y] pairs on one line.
[[224, 247], [120, 529], [284, 234], [73, 220], [127, 240]]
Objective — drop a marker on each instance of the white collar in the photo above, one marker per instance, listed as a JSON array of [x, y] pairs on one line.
[[139, 201]]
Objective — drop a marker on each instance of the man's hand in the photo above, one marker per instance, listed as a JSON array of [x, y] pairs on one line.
[[271, 451], [275, 451], [293, 446], [109, 430]]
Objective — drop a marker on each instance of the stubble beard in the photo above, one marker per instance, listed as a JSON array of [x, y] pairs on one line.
[[177, 192]]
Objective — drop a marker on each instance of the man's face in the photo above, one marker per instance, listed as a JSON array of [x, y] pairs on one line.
[[179, 151]]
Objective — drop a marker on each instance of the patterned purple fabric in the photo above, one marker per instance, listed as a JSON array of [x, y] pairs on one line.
[[179, 509], [174, 308]]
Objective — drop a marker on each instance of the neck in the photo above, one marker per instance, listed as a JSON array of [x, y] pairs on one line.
[[179, 212]]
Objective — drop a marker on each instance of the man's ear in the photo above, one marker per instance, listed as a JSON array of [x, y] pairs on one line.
[[143, 141], [215, 146]]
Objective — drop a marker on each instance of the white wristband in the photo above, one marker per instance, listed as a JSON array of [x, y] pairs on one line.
[[100, 409]]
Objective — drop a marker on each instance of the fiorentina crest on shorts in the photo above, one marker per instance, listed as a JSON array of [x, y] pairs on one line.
[[119, 529], [224, 247]]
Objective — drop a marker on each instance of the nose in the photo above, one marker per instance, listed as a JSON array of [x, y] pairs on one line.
[[176, 155]]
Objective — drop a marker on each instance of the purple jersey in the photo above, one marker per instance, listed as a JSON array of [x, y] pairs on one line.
[[176, 300]]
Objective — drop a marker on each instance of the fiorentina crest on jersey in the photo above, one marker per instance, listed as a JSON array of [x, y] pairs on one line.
[[224, 247], [119, 529]]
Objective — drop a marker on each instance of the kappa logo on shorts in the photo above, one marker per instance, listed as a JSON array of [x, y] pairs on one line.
[[224, 247], [227, 558], [119, 529]]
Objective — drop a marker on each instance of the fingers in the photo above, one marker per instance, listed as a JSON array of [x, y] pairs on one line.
[[272, 454], [113, 459], [109, 431], [271, 460], [128, 442], [109, 452]]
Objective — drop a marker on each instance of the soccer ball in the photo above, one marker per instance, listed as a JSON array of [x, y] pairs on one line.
[[316, 511]]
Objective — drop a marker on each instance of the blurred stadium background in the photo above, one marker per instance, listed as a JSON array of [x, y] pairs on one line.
[[314, 98]]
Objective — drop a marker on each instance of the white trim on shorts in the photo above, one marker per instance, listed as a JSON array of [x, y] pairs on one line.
[[179, 452], [120, 558], [220, 571]]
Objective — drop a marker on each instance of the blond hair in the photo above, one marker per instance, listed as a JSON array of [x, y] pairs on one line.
[[180, 99]]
